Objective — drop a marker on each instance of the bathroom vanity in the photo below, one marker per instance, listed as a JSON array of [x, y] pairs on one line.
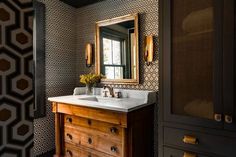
[[94, 126]]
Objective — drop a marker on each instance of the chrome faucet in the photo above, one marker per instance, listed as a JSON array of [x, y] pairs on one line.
[[111, 92]]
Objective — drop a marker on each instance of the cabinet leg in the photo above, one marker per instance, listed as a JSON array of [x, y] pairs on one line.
[[58, 135]]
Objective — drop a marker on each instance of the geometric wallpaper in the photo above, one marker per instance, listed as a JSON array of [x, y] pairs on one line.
[[16, 93], [148, 25], [60, 67]]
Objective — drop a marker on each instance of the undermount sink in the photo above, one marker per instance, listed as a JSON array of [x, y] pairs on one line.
[[99, 99]]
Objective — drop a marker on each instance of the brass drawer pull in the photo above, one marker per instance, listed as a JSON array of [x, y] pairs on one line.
[[190, 140], [90, 141], [69, 120], [218, 117], [69, 136], [68, 152], [113, 130], [228, 119], [189, 154], [114, 149]]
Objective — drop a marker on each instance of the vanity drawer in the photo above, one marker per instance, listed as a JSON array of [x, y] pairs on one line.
[[72, 151], [199, 142], [93, 140], [112, 130], [170, 152], [113, 117]]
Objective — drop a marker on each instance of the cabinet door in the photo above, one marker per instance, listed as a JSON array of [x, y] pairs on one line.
[[192, 62], [229, 65]]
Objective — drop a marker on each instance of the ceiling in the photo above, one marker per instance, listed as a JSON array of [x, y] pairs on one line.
[[80, 3]]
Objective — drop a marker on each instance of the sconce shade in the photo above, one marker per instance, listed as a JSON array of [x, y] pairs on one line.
[[148, 52], [88, 55]]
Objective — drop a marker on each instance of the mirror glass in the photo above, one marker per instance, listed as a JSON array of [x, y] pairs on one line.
[[117, 49]]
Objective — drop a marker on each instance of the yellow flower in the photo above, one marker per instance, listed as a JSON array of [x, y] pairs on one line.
[[90, 78]]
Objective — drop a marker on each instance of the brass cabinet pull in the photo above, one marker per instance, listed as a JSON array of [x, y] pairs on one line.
[[218, 117], [69, 153], [113, 130], [68, 119], [190, 140], [70, 136], [189, 154], [114, 149], [228, 119]]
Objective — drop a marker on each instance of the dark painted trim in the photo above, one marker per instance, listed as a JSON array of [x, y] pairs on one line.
[[39, 59], [229, 63], [80, 3]]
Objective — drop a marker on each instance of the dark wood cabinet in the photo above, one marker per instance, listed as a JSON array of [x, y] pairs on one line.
[[197, 74]]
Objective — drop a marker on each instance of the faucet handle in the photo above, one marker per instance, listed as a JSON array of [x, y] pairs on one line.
[[117, 94], [104, 93]]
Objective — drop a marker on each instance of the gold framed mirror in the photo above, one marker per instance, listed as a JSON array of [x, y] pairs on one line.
[[117, 49]]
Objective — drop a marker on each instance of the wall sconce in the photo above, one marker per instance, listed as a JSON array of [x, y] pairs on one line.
[[148, 52], [89, 55]]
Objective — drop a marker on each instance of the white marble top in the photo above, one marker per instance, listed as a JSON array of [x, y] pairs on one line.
[[131, 100]]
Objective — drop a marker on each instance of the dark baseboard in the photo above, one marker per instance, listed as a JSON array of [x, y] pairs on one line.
[[47, 154]]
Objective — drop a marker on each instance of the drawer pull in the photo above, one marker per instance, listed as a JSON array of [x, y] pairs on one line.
[[90, 141], [228, 119], [68, 152], [218, 117], [89, 122], [113, 130], [189, 154], [69, 120], [114, 149], [190, 140], [69, 136]]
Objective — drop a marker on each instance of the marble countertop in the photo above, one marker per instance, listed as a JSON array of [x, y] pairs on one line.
[[133, 100]]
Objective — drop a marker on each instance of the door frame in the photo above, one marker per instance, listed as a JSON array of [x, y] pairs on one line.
[[229, 63]]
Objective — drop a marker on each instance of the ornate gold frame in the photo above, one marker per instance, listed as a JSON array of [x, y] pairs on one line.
[[97, 60]]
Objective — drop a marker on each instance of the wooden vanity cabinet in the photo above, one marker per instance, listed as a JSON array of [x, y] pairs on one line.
[[197, 78], [91, 132]]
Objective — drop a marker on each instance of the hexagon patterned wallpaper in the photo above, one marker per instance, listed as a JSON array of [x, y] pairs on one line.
[[60, 67], [148, 25], [16, 94]]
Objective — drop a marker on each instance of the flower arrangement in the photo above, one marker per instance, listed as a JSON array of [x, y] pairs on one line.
[[91, 79]]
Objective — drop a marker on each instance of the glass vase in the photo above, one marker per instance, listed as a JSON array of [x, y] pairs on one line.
[[88, 89]]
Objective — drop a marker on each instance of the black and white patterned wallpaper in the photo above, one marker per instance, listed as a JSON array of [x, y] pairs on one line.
[[60, 67], [148, 25], [16, 93]]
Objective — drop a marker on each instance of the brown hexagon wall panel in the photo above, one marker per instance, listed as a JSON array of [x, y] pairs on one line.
[[4, 65], [4, 15], [16, 94]]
